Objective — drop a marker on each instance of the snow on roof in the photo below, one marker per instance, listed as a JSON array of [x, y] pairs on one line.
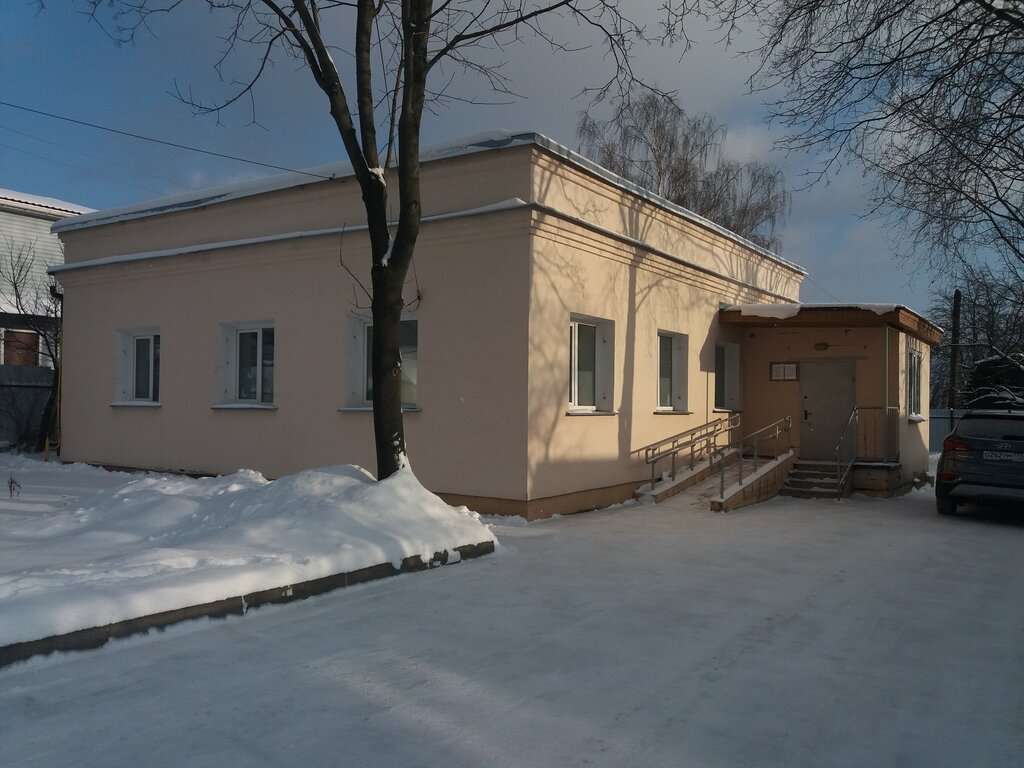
[[899, 315], [196, 199], [783, 311], [481, 142], [26, 201], [127, 258]]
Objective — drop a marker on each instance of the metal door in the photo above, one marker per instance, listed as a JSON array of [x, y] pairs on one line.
[[827, 394]]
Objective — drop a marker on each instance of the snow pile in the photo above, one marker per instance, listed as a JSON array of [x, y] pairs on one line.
[[154, 543]]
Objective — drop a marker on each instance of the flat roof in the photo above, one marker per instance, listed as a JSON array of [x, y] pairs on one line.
[[483, 142], [795, 315]]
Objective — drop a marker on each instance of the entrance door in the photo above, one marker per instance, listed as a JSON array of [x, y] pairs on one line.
[[827, 395]]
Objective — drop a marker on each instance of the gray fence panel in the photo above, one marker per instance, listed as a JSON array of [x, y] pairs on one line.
[[24, 390], [940, 424]]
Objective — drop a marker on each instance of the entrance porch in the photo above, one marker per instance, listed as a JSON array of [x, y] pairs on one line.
[[853, 378]]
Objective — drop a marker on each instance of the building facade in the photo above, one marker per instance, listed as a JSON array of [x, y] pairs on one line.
[[558, 320]]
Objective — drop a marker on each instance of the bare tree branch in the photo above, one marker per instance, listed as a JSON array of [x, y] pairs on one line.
[[928, 96], [653, 142]]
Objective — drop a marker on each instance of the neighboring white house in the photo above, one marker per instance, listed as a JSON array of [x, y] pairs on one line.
[[28, 330]]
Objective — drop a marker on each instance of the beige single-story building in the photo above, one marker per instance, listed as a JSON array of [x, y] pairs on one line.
[[559, 320]]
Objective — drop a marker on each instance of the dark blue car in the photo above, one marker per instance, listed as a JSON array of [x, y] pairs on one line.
[[982, 461]]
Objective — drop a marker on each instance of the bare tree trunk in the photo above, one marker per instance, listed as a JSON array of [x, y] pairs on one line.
[[388, 276], [46, 422]]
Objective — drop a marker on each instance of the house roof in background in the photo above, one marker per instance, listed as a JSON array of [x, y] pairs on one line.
[[48, 207]]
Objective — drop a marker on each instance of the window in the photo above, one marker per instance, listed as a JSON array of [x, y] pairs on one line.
[[138, 367], [672, 374], [914, 382], [146, 368], [247, 372], [20, 347], [408, 345], [256, 365], [727, 377], [582, 365], [590, 365]]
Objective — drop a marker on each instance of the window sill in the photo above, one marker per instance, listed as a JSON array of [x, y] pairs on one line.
[[916, 418], [670, 412], [369, 409], [726, 410], [135, 404], [591, 413], [244, 407]]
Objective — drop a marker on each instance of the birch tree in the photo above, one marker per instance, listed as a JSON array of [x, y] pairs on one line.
[[654, 143]]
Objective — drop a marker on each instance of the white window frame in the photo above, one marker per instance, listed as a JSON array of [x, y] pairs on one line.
[[914, 364], [125, 369], [728, 376], [356, 357], [604, 359], [230, 337], [678, 375]]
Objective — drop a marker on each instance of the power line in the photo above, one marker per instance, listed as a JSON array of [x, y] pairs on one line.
[[822, 288], [76, 168], [158, 141], [104, 160]]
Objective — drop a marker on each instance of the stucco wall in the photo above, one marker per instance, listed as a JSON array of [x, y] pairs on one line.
[[453, 184], [468, 437], [574, 192], [582, 274], [497, 291]]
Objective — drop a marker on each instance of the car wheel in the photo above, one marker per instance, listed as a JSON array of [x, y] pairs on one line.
[[945, 505]]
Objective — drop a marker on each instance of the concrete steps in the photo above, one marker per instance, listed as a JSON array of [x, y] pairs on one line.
[[812, 480]]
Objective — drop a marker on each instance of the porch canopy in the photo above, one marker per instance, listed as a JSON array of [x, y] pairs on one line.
[[832, 315]]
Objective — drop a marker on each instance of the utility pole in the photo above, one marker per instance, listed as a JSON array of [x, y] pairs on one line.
[[954, 354]]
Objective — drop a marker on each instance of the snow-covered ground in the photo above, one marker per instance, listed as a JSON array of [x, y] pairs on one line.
[[794, 633], [81, 547]]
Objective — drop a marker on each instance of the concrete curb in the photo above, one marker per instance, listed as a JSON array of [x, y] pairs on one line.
[[95, 637]]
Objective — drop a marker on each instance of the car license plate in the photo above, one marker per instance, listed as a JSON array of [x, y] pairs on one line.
[[1002, 456]]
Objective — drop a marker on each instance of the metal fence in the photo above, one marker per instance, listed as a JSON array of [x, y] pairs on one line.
[[23, 393], [940, 424]]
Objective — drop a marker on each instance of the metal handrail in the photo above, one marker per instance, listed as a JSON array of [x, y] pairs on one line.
[[698, 439], [842, 474], [776, 428]]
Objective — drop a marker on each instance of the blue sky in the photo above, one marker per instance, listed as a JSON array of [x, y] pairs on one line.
[[56, 61]]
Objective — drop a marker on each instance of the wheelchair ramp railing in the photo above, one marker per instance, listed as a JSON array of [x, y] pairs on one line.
[[696, 444]]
